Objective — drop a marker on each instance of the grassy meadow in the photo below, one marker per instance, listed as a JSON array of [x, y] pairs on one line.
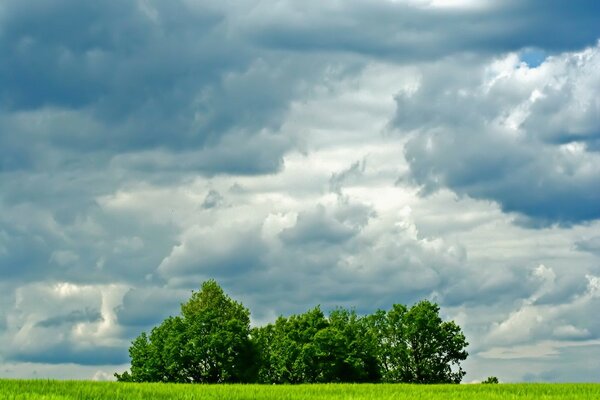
[[54, 390]]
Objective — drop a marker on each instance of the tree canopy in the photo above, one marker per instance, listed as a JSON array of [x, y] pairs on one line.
[[212, 342], [208, 343]]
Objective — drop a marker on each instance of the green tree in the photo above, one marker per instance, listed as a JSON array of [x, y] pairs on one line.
[[211, 342], [287, 348], [391, 346], [217, 347], [344, 350], [310, 348], [414, 345], [491, 380], [208, 343]]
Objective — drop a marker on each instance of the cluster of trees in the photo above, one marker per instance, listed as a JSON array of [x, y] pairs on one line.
[[212, 342]]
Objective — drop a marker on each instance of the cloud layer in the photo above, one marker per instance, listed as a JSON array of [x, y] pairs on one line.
[[353, 154]]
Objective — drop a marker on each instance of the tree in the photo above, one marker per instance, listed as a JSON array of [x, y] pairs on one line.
[[217, 347], [391, 347], [344, 349], [491, 380], [310, 348], [209, 343], [414, 345], [288, 349], [157, 358]]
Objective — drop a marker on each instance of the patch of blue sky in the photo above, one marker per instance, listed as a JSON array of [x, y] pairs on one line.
[[533, 57]]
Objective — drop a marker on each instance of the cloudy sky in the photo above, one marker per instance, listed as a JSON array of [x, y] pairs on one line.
[[355, 153]]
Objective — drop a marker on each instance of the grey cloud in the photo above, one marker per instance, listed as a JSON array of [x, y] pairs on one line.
[[59, 322], [574, 370], [86, 315], [65, 52], [213, 199], [234, 153], [335, 254], [144, 307], [205, 253], [337, 180], [379, 264], [490, 285], [317, 227], [353, 214], [403, 32], [539, 369], [591, 245], [492, 149], [126, 77], [530, 324], [92, 245], [68, 353]]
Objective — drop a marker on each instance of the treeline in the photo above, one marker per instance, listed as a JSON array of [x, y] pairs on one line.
[[212, 342]]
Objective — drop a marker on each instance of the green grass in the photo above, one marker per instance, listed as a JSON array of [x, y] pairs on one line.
[[54, 390]]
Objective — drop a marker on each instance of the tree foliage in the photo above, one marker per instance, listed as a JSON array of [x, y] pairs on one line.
[[310, 348], [211, 342], [491, 380], [208, 343]]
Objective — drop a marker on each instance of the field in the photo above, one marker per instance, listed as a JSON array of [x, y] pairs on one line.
[[54, 390]]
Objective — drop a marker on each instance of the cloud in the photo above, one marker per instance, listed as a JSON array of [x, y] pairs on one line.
[[214, 252], [131, 78], [409, 31], [212, 199], [76, 316], [524, 136], [63, 353], [566, 320], [64, 323], [591, 245], [317, 227], [338, 179], [144, 307], [301, 154]]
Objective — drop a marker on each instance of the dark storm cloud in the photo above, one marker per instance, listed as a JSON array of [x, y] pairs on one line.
[[89, 81], [140, 75], [403, 31], [23, 254]]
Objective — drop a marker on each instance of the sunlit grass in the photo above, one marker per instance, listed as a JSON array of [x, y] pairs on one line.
[[54, 390]]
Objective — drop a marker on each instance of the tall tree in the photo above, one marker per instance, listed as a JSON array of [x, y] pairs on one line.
[[209, 343], [310, 348], [414, 345], [217, 347], [288, 348], [344, 349]]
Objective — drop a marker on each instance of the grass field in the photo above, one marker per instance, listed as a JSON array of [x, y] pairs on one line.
[[54, 390]]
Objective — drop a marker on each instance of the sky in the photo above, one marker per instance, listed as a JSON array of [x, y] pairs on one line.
[[343, 153]]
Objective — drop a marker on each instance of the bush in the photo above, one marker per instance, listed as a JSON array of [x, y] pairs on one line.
[[491, 380]]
